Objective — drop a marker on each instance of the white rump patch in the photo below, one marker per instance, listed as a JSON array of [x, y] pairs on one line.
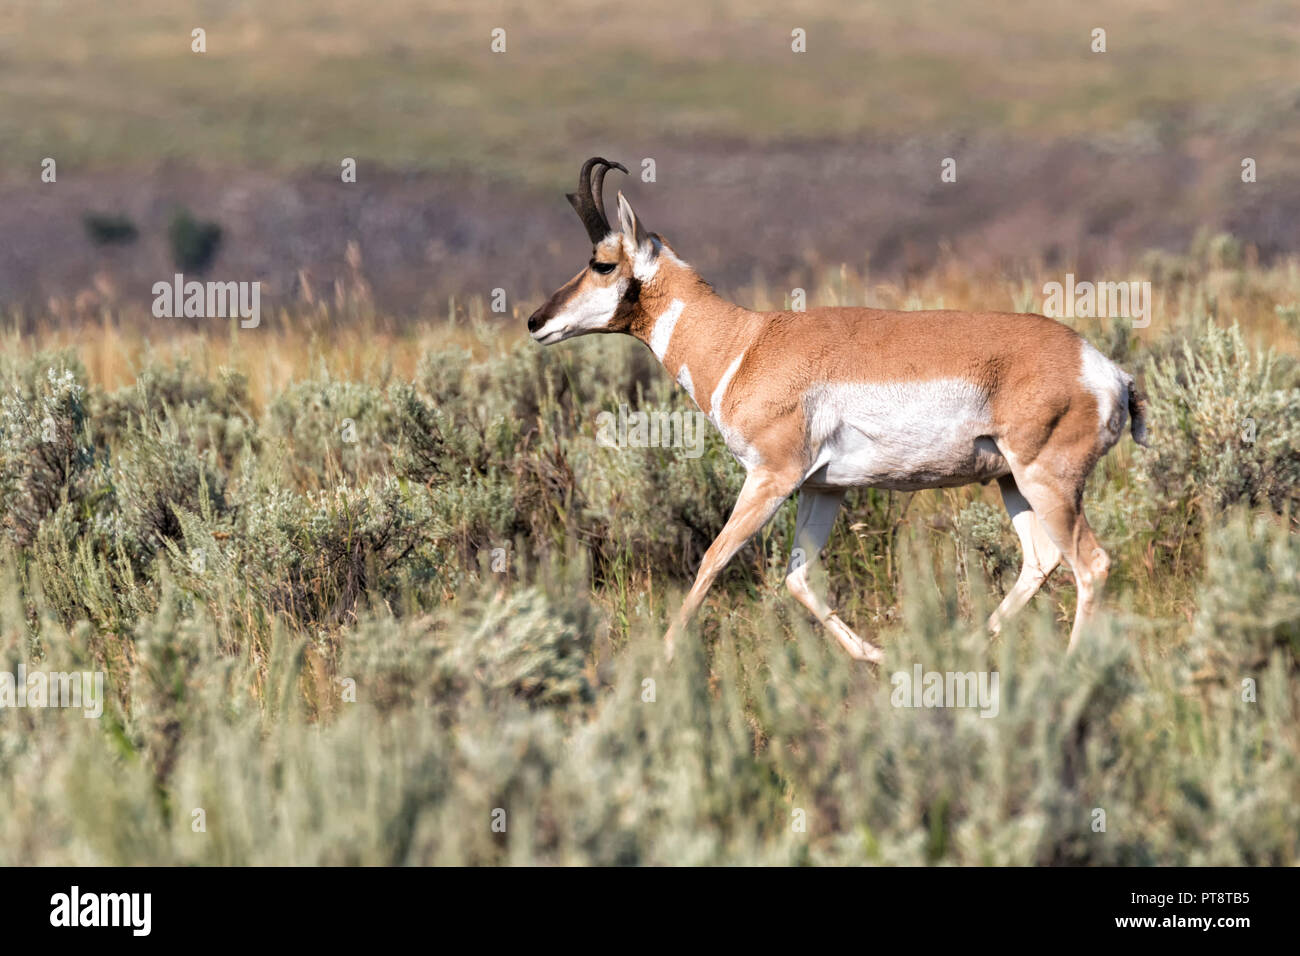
[[1108, 384], [662, 334]]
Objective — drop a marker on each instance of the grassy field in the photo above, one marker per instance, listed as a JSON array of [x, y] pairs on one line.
[[360, 591]]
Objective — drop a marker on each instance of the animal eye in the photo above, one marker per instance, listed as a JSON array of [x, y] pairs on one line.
[[604, 268]]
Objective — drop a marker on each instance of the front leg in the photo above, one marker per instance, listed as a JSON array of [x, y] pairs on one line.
[[762, 494]]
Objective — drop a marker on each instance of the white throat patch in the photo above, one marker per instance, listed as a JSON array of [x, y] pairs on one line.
[[684, 380], [662, 334], [735, 441]]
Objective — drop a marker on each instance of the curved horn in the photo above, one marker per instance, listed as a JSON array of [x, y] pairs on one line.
[[588, 201]]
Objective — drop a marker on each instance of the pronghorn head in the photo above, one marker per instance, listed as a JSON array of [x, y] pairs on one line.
[[604, 296]]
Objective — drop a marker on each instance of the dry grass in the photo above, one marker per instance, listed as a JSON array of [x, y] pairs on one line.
[[292, 345]]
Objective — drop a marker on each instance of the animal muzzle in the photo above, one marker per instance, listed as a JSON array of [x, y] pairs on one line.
[[537, 319]]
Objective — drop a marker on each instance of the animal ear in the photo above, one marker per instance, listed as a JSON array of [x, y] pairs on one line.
[[631, 226]]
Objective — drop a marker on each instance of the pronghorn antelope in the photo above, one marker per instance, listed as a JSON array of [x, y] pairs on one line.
[[823, 400]]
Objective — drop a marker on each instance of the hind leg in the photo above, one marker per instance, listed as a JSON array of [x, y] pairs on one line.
[[1058, 505], [1040, 554], [816, 517]]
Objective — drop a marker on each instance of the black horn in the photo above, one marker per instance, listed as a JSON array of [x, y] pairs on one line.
[[588, 201]]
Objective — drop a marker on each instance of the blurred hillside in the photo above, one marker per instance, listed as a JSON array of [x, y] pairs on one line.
[[767, 161]]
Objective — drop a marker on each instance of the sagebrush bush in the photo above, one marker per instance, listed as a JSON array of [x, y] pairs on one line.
[[210, 412], [44, 451], [313, 556], [1225, 426], [421, 452], [157, 475], [86, 572], [520, 644], [984, 529], [1250, 601], [363, 651], [334, 429]]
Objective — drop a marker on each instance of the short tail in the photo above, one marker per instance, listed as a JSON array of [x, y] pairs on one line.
[[1137, 411]]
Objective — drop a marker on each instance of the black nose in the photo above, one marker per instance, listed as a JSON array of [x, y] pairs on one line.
[[535, 321]]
